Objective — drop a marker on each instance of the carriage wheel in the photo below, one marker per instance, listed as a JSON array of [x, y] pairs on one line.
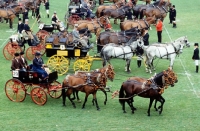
[[15, 90], [9, 50], [42, 34], [82, 65], [55, 90], [28, 88], [39, 96], [59, 64], [30, 52]]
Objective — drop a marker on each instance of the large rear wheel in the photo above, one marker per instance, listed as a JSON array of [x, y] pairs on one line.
[[59, 64], [30, 52], [10, 49], [82, 65], [15, 90], [39, 96]]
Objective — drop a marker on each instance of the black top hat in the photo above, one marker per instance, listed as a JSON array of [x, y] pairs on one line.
[[16, 54], [21, 53], [196, 44], [173, 6], [19, 19], [37, 54]]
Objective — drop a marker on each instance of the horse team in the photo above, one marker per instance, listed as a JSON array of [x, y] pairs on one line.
[[123, 45]]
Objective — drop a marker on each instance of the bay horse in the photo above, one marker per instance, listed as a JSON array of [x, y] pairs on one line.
[[147, 89], [167, 51], [125, 52], [117, 13], [88, 83], [116, 37], [140, 23], [140, 7], [101, 2], [158, 12], [113, 6], [109, 73], [95, 26], [10, 13]]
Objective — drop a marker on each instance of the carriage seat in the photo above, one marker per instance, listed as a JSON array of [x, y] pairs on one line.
[[50, 40], [63, 40]]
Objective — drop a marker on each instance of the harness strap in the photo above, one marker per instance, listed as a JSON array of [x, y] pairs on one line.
[[146, 23], [164, 9]]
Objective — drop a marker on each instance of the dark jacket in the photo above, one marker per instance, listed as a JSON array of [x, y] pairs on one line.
[[24, 62], [25, 16], [37, 12], [54, 18], [146, 39], [46, 5], [129, 15], [20, 27], [16, 64], [196, 54], [26, 27], [173, 14]]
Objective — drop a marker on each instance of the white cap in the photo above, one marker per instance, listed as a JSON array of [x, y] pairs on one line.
[[26, 20]]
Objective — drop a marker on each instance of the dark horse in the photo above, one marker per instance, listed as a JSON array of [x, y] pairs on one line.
[[117, 13], [147, 89], [116, 37]]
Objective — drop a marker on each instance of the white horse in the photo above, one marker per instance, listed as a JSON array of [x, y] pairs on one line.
[[165, 51], [125, 52]]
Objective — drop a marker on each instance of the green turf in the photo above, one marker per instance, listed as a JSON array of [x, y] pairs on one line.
[[181, 109]]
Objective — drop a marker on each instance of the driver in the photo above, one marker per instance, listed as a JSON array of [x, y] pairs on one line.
[[76, 37]]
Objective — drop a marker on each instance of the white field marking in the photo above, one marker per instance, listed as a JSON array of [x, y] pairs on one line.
[[7, 39], [3, 39], [186, 73]]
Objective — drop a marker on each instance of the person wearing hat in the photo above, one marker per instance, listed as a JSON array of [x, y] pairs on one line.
[[23, 60], [54, 18], [195, 56], [159, 26], [37, 13], [47, 7], [38, 66], [25, 15], [173, 16], [20, 27], [77, 37], [28, 31], [16, 64]]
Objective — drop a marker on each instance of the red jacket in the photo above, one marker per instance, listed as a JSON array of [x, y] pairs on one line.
[[159, 26], [108, 26]]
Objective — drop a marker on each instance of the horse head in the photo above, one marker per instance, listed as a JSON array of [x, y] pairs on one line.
[[180, 43], [19, 9], [170, 78], [103, 21], [110, 72]]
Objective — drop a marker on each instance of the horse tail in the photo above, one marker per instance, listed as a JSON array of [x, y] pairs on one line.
[[121, 94], [102, 13], [142, 13]]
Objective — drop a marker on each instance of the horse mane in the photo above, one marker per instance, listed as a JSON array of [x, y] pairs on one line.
[[133, 38]]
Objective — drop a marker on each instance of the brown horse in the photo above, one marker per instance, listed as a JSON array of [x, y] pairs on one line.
[[10, 13], [141, 24], [158, 12], [147, 89], [138, 9], [109, 73], [114, 6], [101, 2], [117, 13], [88, 83], [116, 37], [95, 26]]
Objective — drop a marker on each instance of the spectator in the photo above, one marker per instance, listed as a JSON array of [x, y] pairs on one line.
[[195, 56], [159, 26], [37, 12], [173, 16], [47, 7], [16, 65], [129, 15], [25, 15], [20, 27]]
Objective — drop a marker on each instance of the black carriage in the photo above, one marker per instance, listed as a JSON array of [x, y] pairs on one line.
[[28, 82]]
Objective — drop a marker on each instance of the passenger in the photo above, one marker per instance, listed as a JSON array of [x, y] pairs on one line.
[[76, 37], [16, 64], [23, 60], [54, 18], [38, 66]]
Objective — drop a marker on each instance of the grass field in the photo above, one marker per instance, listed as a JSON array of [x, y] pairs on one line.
[[181, 109]]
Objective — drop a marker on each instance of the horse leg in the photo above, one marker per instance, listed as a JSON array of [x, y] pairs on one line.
[[78, 99], [68, 93], [128, 65], [10, 23], [95, 99], [102, 89], [155, 105], [150, 104], [130, 103], [63, 95], [162, 100], [86, 96]]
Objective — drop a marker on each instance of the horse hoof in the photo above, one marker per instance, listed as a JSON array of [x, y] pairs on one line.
[[98, 109], [132, 111], [64, 105], [104, 103], [134, 108], [79, 101], [148, 115], [124, 112]]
